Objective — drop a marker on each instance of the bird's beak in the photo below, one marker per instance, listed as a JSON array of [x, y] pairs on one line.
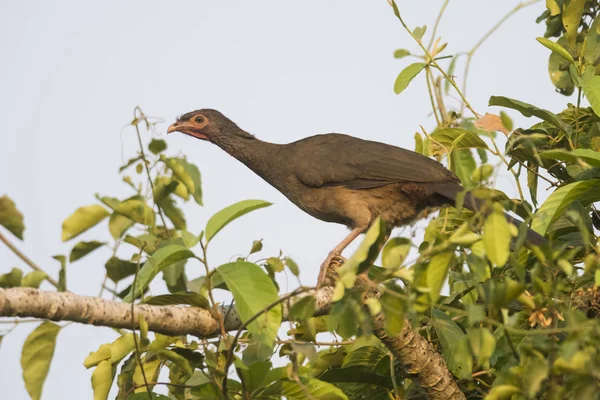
[[187, 129], [173, 127]]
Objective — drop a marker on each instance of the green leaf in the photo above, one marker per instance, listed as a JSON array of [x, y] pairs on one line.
[[253, 291], [102, 379], [174, 213], [135, 209], [557, 48], [503, 392], [419, 31], [394, 310], [118, 224], [257, 246], [157, 146], [591, 89], [10, 217], [11, 279], [395, 251], [191, 298], [81, 220], [529, 110], [556, 204], [365, 255], [455, 138], [117, 269], [587, 155], [482, 173], [62, 274], [400, 53], [82, 249], [407, 75], [292, 266], [482, 343], [36, 357], [462, 164], [307, 389], [303, 309], [275, 264], [158, 261], [496, 236], [437, 271], [34, 279], [454, 344], [222, 218]]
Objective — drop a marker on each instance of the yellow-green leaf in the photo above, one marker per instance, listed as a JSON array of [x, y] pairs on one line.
[[102, 379], [437, 272], [36, 356], [135, 209], [557, 48], [571, 16], [591, 89], [222, 218], [253, 291], [81, 220], [407, 75], [10, 217], [496, 236]]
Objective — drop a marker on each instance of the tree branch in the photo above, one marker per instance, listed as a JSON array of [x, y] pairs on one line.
[[424, 364]]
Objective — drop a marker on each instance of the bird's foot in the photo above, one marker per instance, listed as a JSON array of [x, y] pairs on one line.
[[328, 272]]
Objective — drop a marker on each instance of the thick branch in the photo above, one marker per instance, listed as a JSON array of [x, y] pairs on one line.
[[168, 320]]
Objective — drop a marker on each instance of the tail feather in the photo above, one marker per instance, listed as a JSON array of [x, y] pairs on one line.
[[452, 190]]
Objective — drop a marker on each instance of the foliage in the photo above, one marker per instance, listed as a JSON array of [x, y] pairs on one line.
[[509, 319]]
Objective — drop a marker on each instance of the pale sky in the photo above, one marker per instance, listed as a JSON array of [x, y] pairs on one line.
[[73, 71]]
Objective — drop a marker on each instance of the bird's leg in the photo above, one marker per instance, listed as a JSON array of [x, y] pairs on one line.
[[336, 252]]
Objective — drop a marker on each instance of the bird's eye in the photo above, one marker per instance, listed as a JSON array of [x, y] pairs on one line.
[[199, 119]]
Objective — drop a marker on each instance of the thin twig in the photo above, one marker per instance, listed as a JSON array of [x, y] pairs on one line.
[[27, 260], [486, 36], [437, 23]]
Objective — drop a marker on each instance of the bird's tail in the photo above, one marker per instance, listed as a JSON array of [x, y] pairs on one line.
[[452, 191]]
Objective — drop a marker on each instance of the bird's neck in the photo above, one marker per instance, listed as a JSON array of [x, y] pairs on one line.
[[261, 157]]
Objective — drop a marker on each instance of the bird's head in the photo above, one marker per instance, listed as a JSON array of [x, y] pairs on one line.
[[206, 124]]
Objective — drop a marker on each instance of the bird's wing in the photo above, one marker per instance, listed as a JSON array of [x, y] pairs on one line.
[[341, 160]]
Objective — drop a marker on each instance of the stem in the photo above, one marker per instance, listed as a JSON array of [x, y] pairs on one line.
[[430, 91], [145, 161], [27, 260], [577, 116]]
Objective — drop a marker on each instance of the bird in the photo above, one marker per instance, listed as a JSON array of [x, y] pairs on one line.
[[340, 178]]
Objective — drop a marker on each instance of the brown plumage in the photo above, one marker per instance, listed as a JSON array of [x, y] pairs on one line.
[[339, 178]]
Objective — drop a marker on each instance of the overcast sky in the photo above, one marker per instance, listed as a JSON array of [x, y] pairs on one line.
[[73, 71]]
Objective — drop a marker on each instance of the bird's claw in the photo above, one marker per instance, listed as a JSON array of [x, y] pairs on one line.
[[328, 273]]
